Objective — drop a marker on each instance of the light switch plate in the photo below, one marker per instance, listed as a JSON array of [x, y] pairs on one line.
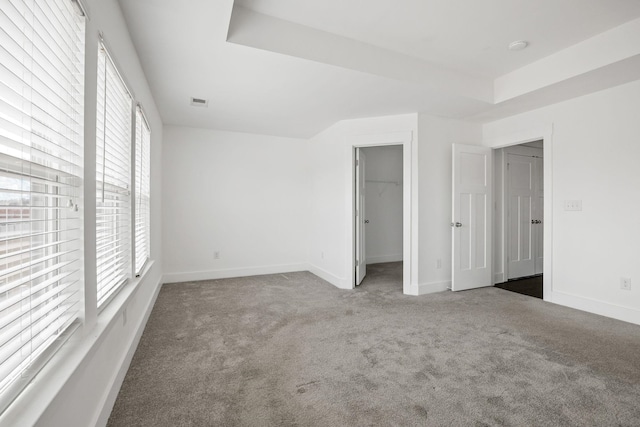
[[573, 205]]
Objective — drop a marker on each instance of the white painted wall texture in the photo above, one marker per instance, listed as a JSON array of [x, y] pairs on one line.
[[243, 196], [436, 135], [77, 388], [595, 154], [330, 192], [431, 195], [383, 203]]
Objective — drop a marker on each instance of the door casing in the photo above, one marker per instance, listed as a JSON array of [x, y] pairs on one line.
[[409, 219], [545, 134]]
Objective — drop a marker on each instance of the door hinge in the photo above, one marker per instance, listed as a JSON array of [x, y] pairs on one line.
[[357, 263], [508, 165], [357, 162]]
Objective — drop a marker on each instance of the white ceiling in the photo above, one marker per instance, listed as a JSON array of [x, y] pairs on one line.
[[464, 35], [294, 67]]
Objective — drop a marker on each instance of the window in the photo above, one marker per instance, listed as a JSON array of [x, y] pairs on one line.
[[113, 176], [143, 196], [41, 160]]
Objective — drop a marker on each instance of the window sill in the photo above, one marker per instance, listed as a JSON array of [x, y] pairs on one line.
[[29, 406]]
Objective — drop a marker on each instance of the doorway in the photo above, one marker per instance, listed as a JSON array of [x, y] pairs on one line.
[[409, 210], [477, 222], [519, 219], [379, 212]]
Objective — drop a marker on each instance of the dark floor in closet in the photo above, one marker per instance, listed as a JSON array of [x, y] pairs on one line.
[[531, 286]]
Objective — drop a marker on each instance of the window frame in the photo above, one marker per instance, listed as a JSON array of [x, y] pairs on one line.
[[48, 154], [126, 232], [142, 190]]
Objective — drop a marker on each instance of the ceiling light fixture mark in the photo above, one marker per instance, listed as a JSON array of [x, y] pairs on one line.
[[518, 45]]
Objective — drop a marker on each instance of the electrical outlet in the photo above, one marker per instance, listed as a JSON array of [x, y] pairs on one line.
[[625, 283], [124, 317], [438, 263], [216, 255], [322, 255]]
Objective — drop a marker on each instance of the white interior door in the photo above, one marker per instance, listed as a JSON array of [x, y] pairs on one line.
[[472, 217], [521, 200], [539, 215], [361, 259], [524, 211]]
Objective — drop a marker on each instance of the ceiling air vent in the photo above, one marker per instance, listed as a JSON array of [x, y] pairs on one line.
[[199, 102]]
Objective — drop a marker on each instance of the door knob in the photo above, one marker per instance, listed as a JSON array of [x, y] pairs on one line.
[[456, 224], [366, 221]]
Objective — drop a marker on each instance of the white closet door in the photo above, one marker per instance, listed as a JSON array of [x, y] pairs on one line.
[[361, 258], [521, 198]]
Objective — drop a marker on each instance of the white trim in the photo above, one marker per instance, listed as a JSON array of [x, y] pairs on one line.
[[409, 219], [111, 393], [332, 279], [191, 276], [520, 137], [626, 314], [544, 133], [430, 288], [384, 258], [498, 278], [30, 405]]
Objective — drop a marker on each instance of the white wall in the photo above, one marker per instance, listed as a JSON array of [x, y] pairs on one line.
[[383, 203], [430, 204], [79, 384], [436, 136], [595, 152], [330, 193], [242, 195]]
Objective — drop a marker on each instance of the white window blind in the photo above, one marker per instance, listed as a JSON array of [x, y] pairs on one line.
[[143, 194], [113, 166], [41, 149]]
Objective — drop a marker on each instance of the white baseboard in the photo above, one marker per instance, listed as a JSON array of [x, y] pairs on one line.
[[626, 314], [192, 276], [498, 278], [429, 288], [118, 377], [384, 258], [329, 277]]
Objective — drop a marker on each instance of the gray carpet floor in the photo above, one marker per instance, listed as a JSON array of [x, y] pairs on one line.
[[292, 350]]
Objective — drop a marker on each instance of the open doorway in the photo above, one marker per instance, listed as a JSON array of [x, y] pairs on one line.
[[409, 209], [379, 216], [478, 221], [519, 214]]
